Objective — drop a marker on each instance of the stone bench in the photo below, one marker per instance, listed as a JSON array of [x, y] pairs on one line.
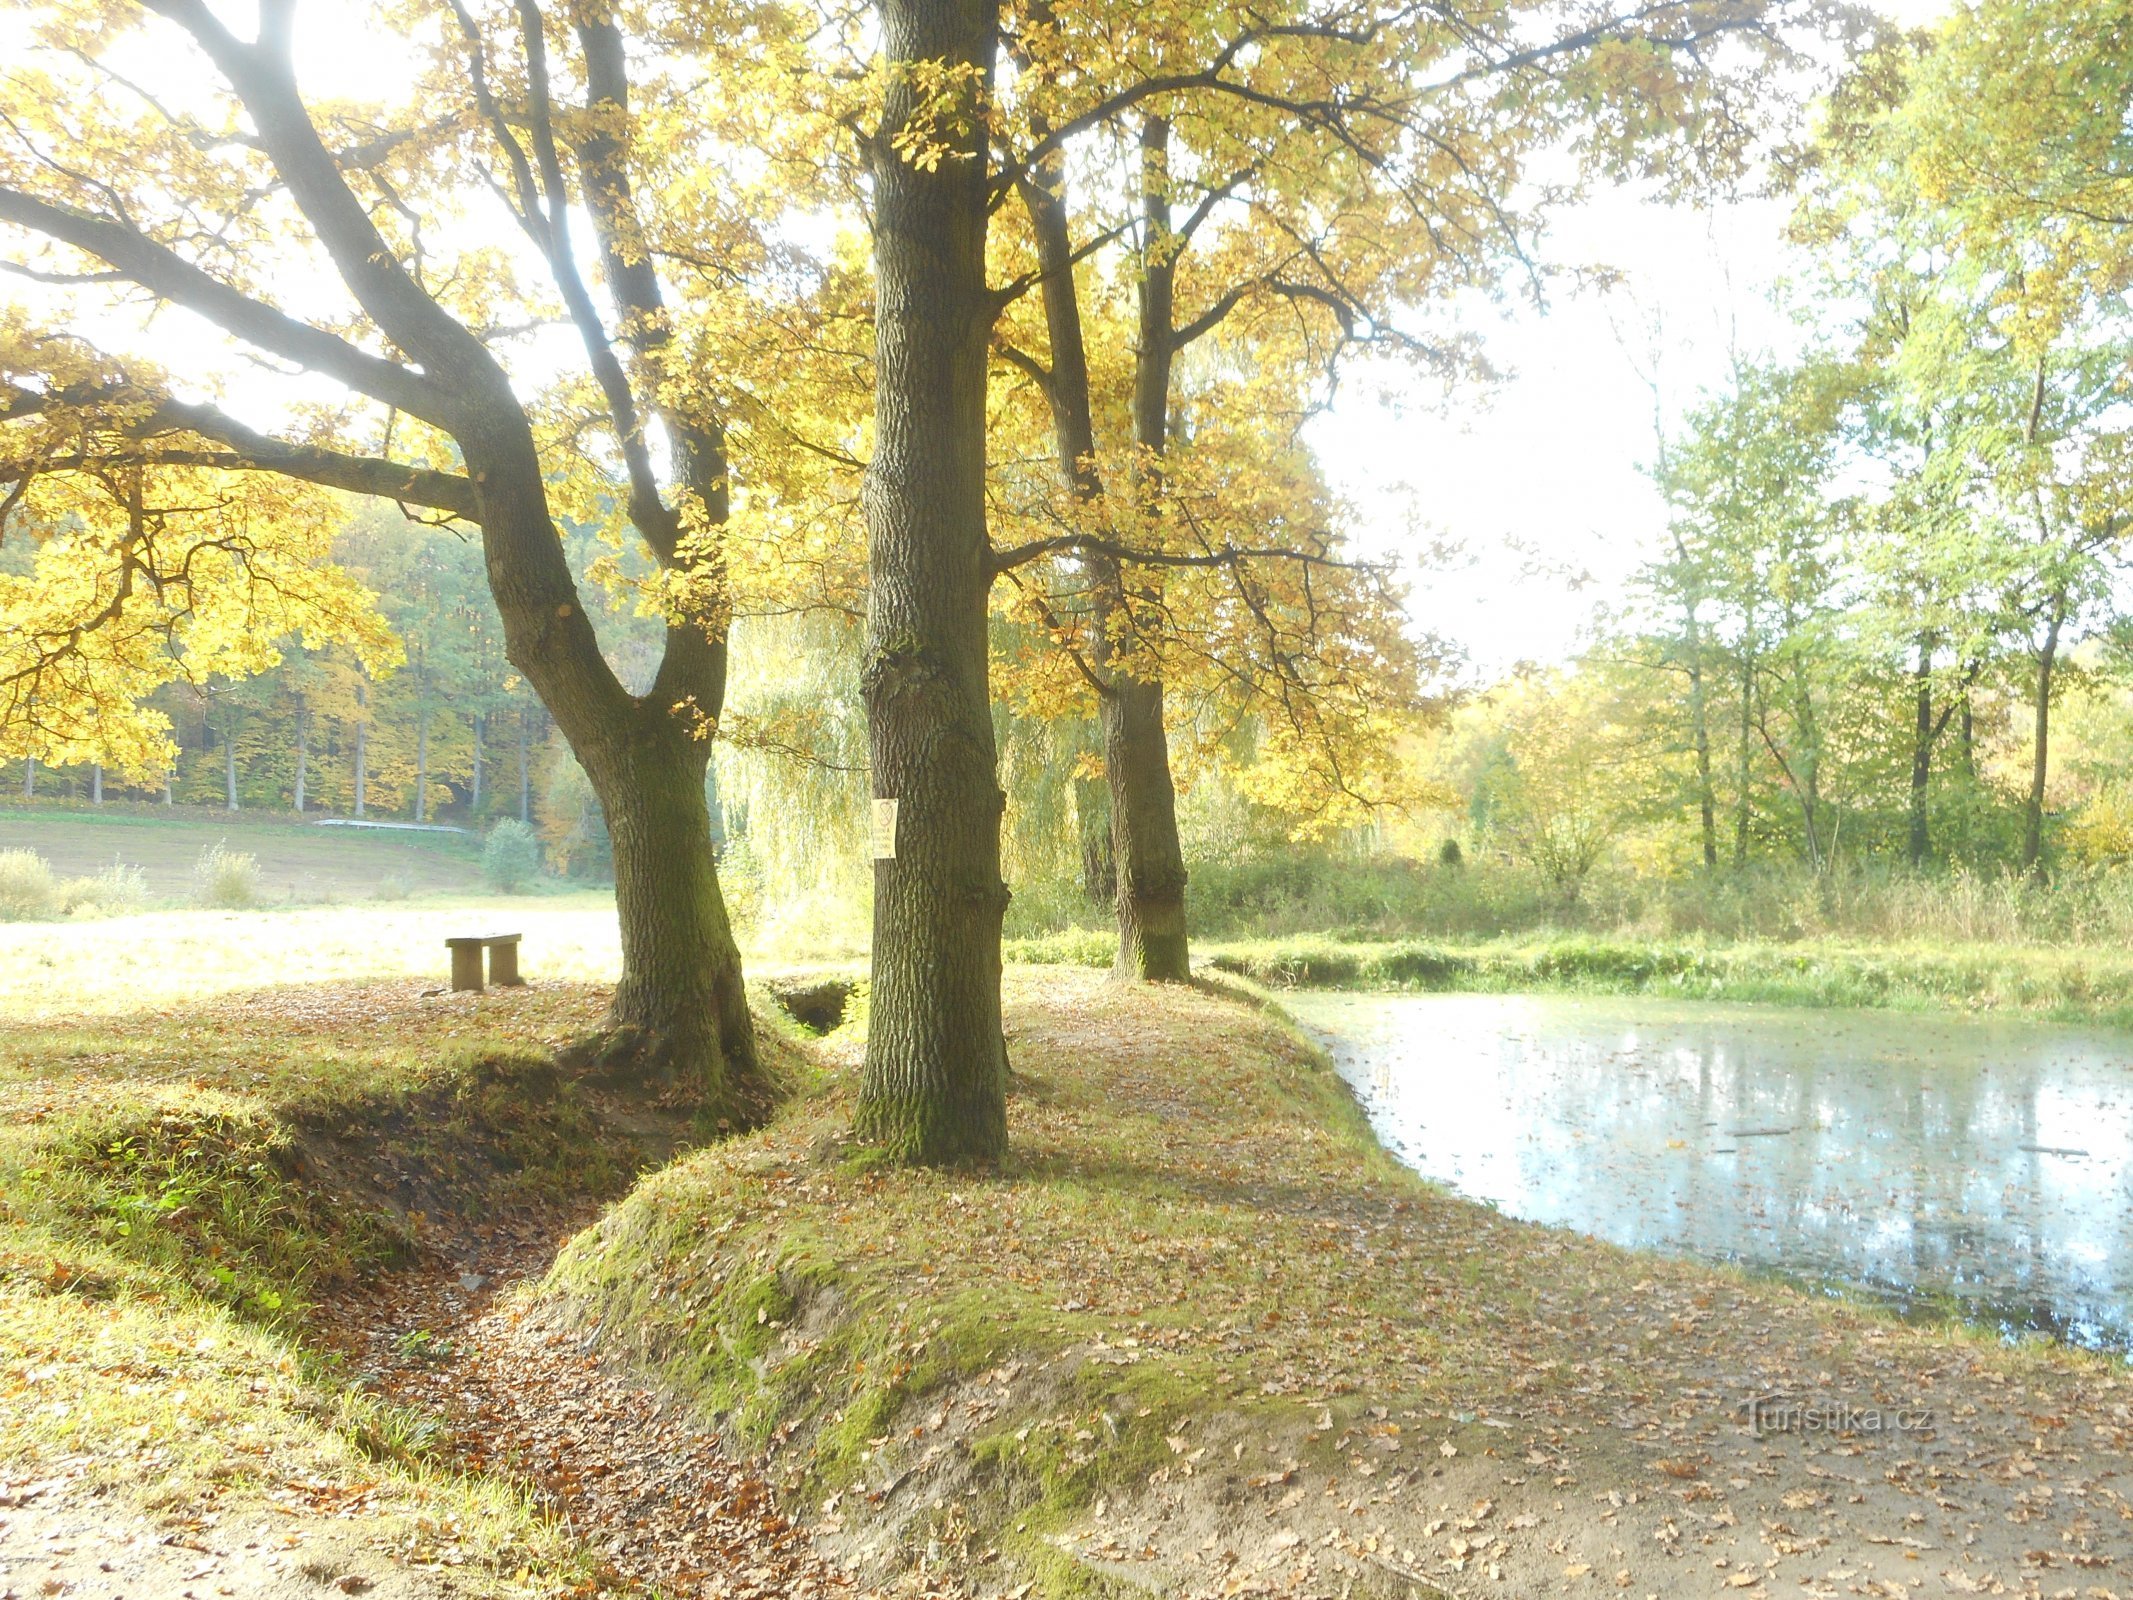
[[466, 951]]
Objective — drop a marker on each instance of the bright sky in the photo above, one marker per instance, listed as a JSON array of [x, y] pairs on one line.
[[1540, 479]]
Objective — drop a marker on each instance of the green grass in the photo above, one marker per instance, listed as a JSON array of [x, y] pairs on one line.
[[173, 959], [300, 862], [1195, 1252], [2080, 984], [178, 1190]]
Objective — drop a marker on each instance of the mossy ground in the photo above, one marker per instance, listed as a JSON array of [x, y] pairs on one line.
[[180, 1189], [1195, 1290]]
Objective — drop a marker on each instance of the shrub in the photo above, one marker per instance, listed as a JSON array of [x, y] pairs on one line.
[[226, 879], [117, 888], [511, 858], [27, 888]]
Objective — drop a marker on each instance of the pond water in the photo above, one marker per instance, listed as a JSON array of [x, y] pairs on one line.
[[1932, 1160]]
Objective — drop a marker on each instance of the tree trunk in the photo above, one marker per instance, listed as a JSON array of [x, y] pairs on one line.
[[1744, 763], [2040, 747], [422, 759], [680, 1009], [303, 752], [1144, 834], [1147, 863], [362, 752], [1700, 734], [935, 1084], [1968, 736], [29, 777], [1152, 941], [1092, 821], [229, 768], [1923, 731], [96, 784]]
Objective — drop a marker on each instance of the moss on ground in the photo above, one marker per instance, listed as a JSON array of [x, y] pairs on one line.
[[178, 1190], [1194, 1255]]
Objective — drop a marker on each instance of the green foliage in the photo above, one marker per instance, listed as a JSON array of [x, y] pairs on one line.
[[226, 879], [511, 857], [27, 888]]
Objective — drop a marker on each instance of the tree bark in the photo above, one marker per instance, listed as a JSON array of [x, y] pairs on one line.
[[303, 752], [1148, 867], [422, 759], [229, 768], [935, 1082], [96, 784], [29, 777], [680, 1009], [2040, 746], [362, 751], [1149, 858]]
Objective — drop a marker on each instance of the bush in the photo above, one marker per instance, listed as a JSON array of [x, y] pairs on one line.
[[511, 858], [226, 879], [27, 888], [117, 888]]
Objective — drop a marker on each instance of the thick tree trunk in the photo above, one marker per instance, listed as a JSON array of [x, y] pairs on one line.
[[2040, 746], [935, 1083], [1144, 834], [96, 784], [681, 1009]]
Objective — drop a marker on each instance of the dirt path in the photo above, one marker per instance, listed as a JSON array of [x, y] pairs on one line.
[[647, 1490]]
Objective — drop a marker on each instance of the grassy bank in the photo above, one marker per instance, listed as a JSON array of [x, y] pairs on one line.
[[1200, 1335], [183, 1189], [2082, 984]]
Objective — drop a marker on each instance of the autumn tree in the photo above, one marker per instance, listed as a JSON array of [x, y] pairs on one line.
[[154, 152]]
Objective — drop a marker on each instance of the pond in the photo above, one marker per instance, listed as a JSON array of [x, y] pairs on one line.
[[1942, 1162]]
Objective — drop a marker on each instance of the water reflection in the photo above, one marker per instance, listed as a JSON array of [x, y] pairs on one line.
[[1936, 1158]]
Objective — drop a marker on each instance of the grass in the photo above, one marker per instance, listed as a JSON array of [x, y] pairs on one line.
[[177, 1190], [166, 960], [1194, 1250], [298, 861], [2091, 984]]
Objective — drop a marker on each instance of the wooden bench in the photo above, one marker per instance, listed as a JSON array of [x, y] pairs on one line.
[[466, 951]]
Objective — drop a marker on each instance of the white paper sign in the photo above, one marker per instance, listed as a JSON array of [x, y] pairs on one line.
[[884, 830]]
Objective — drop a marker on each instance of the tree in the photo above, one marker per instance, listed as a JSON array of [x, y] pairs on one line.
[[226, 191], [1275, 200]]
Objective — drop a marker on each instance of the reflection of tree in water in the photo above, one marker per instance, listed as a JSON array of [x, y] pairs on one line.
[[1905, 1166]]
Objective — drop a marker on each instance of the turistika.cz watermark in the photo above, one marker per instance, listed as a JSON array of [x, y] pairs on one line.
[[1775, 1413]]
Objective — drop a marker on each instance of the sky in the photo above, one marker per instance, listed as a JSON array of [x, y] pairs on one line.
[[1539, 479]]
